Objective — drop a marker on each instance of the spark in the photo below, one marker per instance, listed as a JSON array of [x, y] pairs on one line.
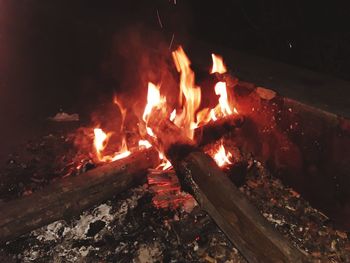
[[159, 20], [171, 41]]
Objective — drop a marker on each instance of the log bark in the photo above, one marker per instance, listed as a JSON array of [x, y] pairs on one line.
[[253, 236], [214, 130], [240, 221], [70, 196]]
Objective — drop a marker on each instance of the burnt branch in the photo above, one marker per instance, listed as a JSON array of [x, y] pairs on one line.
[[72, 195]]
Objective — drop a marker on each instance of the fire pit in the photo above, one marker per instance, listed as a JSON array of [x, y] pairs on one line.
[[251, 177]]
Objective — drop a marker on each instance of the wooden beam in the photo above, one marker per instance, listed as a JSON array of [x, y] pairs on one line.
[[72, 195]]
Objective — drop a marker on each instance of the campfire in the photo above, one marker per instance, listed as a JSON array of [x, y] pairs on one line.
[[198, 165], [187, 115]]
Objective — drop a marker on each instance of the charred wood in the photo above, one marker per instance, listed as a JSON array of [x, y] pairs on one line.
[[238, 219], [70, 196], [213, 131]]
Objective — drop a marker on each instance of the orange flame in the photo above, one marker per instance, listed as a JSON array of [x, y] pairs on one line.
[[221, 157], [101, 140], [188, 90], [165, 164], [218, 65], [100, 143], [220, 89], [172, 115], [153, 100], [188, 118], [213, 115], [144, 143], [203, 116], [222, 109]]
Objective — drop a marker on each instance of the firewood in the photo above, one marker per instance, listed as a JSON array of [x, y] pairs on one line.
[[238, 219], [214, 130], [72, 195], [253, 236]]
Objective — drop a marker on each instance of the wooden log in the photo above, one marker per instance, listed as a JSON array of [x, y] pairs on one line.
[[241, 222], [72, 195], [214, 130], [203, 135], [253, 236]]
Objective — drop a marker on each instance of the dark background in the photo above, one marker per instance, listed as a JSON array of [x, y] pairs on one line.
[[59, 54]]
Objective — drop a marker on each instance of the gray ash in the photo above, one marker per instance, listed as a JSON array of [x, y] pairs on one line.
[[130, 229], [306, 227]]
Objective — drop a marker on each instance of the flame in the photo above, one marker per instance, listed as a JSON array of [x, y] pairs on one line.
[[218, 65], [203, 116], [100, 141], [222, 109], [212, 115], [172, 115], [144, 143], [187, 115], [165, 164], [220, 90], [221, 157], [188, 91], [118, 156], [187, 118], [153, 100]]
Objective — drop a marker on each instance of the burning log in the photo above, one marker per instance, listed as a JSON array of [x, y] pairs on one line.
[[72, 195], [213, 131], [239, 220]]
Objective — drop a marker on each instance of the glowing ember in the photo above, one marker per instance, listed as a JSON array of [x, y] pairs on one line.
[[218, 65], [221, 157]]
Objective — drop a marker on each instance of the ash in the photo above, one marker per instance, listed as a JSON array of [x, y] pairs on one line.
[[127, 228], [307, 228]]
